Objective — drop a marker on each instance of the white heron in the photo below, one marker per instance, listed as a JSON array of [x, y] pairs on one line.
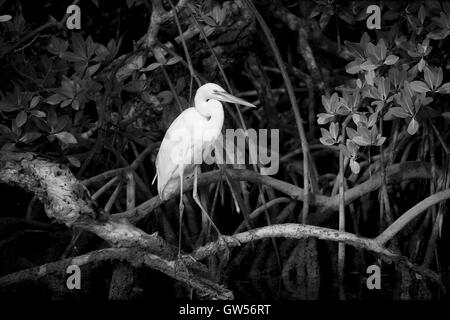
[[194, 130]]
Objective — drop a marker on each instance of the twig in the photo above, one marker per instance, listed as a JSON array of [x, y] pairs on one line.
[[172, 88], [219, 65], [115, 172], [341, 246], [185, 48], [112, 199], [261, 209], [294, 105], [105, 187]]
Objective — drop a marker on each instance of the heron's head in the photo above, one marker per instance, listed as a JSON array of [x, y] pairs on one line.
[[215, 92]]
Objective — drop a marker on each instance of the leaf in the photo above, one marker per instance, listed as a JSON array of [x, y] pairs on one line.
[[74, 161], [380, 141], [76, 104], [346, 16], [219, 14], [326, 103], [65, 103], [21, 118], [148, 98], [354, 166], [37, 113], [173, 60], [372, 120], [30, 137], [334, 130], [352, 147], [413, 126], [446, 115], [209, 20], [135, 86], [370, 49], [66, 137], [327, 141], [64, 123], [151, 67], [422, 14], [407, 92], [381, 50], [324, 19], [359, 118], [359, 140], [92, 69], [355, 49], [354, 67], [421, 64], [364, 132], [419, 86], [101, 53], [370, 76], [391, 59], [399, 112], [445, 88], [351, 133], [6, 132], [344, 150], [359, 83], [72, 57], [55, 99], [34, 102], [124, 72], [323, 118], [136, 63], [368, 65], [429, 77], [208, 31], [439, 35], [165, 97], [7, 106], [5, 18], [52, 118], [90, 47]]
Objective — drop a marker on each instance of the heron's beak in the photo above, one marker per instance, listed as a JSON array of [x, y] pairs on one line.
[[225, 96]]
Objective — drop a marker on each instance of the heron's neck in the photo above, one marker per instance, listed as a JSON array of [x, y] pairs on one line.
[[212, 110], [215, 122]]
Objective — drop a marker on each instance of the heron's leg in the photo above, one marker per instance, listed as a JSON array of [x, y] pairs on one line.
[[198, 202], [181, 209], [221, 237]]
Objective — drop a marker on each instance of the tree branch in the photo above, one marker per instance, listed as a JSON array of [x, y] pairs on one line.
[[136, 258], [326, 205]]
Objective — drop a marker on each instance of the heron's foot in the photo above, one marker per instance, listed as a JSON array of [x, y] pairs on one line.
[[180, 264]]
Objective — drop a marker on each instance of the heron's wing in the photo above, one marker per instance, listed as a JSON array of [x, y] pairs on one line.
[[177, 149]]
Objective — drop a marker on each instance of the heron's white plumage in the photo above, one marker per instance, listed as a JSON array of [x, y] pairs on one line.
[[180, 139], [195, 129]]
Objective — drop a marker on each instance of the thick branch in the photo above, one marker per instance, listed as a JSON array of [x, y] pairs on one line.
[[412, 213], [299, 231], [68, 201], [136, 258]]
